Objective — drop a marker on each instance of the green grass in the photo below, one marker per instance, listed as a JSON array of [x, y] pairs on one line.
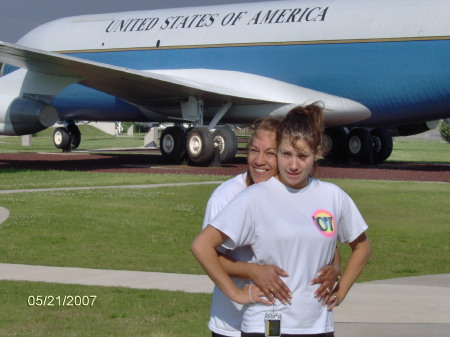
[[420, 151], [137, 229], [19, 179], [408, 227], [115, 312], [151, 230], [91, 138]]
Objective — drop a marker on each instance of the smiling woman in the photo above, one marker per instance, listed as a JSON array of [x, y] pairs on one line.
[[262, 151]]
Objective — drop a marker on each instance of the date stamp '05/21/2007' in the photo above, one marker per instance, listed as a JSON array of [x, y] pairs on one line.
[[61, 300]]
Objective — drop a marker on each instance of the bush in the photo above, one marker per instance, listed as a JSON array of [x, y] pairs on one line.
[[444, 129]]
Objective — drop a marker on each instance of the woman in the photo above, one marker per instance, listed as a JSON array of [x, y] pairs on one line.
[[291, 221], [226, 316]]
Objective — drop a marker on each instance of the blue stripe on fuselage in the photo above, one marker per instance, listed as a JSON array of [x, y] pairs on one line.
[[401, 78], [77, 102]]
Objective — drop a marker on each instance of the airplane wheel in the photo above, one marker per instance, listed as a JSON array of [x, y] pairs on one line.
[[75, 134], [360, 145], [200, 145], [382, 143], [226, 140], [76, 140], [61, 138], [335, 145], [172, 143]]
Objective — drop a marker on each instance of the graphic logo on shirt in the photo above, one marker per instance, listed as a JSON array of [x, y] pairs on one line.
[[324, 222]]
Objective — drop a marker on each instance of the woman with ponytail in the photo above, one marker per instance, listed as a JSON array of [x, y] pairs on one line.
[[292, 221]]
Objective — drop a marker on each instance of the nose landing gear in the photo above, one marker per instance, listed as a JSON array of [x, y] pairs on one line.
[[67, 138]]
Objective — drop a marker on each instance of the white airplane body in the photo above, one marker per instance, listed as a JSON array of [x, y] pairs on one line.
[[373, 64]]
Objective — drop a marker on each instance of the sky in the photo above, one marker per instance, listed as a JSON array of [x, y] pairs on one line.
[[18, 17]]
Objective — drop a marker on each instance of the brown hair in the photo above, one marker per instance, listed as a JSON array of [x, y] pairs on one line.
[[266, 124], [304, 123]]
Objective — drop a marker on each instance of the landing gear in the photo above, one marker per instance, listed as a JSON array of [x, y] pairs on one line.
[[335, 147], [226, 140], [172, 144], [67, 138], [61, 138], [360, 146], [200, 145], [382, 144]]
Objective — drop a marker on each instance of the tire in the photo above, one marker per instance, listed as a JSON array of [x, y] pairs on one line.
[[226, 140], [360, 146], [335, 145], [172, 144], [200, 145], [76, 140], [75, 136], [382, 142], [61, 138]]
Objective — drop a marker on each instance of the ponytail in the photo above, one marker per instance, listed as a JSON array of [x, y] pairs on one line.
[[304, 122]]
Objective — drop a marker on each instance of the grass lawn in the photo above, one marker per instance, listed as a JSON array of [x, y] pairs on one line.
[[91, 138], [151, 230], [18, 179], [118, 312], [420, 151]]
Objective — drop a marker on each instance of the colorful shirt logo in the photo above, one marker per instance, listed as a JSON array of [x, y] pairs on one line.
[[325, 223]]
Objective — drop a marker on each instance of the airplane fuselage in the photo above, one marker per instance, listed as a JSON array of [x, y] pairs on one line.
[[393, 56]]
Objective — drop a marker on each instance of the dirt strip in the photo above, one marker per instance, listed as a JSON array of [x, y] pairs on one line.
[[150, 162]]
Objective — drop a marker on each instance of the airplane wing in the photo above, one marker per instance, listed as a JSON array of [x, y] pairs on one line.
[[146, 88], [131, 85]]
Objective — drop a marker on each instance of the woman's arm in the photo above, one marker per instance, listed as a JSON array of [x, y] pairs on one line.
[[204, 250], [328, 276], [267, 278], [357, 261]]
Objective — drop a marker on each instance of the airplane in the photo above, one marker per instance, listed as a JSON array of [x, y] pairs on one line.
[[380, 69]]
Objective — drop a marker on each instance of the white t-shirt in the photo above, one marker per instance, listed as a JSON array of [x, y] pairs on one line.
[[226, 315], [297, 231]]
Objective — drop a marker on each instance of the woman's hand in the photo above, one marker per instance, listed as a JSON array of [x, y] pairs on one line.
[[332, 301], [267, 278], [250, 294], [327, 278]]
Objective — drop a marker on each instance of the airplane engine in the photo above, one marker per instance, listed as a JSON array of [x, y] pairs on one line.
[[24, 116]]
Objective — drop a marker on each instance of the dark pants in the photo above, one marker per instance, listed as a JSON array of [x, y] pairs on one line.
[[217, 335], [329, 334]]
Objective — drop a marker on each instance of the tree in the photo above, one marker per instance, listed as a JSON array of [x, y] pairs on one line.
[[444, 129]]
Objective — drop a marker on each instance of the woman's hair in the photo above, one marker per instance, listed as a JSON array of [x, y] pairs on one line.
[[263, 124], [303, 123]]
